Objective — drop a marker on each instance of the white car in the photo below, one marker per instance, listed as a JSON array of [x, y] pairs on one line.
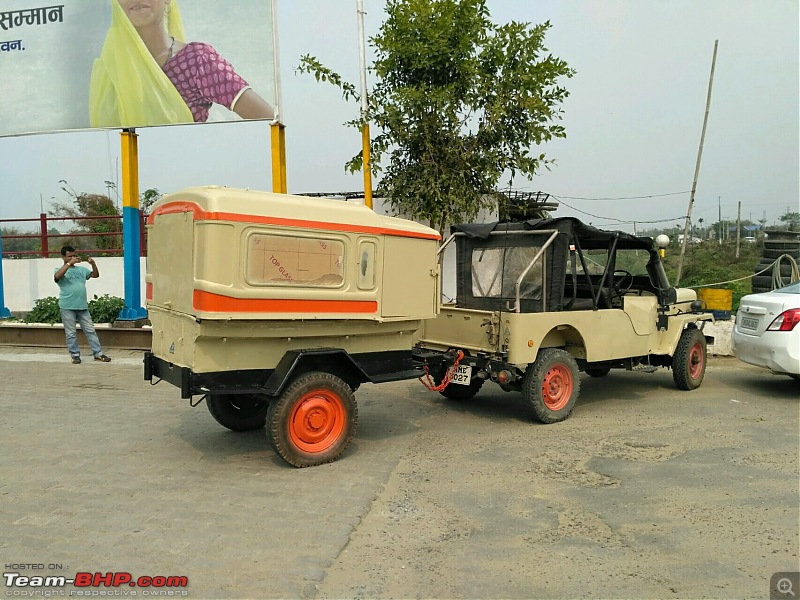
[[767, 330]]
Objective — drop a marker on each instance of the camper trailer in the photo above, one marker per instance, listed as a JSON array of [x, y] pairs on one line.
[[275, 308]]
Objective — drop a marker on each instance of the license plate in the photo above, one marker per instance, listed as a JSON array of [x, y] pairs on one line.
[[463, 375], [751, 324]]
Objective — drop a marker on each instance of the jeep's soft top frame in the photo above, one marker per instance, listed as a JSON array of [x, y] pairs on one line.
[[561, 243]]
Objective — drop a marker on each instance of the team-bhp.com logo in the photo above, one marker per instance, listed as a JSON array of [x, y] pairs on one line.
[[89, 584]]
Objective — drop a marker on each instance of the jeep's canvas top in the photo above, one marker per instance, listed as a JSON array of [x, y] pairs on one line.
[[222, 253], [488, 264]]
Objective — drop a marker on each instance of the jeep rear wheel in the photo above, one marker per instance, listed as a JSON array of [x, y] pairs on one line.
[[313, 421], [238, 412], [551, 385], [689, 360]]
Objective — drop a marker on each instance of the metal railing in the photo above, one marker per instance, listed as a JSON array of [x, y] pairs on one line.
[[44, 237]]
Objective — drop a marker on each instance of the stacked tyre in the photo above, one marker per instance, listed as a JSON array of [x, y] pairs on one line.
[[778, 245]]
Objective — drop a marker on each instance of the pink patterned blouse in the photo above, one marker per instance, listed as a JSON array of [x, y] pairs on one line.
[[202, 78]]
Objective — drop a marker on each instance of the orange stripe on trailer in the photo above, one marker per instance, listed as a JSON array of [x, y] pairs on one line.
[[200, 215], [148, 291], [210, 302]]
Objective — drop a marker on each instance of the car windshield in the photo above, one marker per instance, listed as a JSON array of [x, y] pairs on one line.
[[792, 288]]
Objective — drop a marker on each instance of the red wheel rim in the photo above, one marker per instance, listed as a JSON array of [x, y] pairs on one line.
[[696, 361], [557, 387], [317, 421]]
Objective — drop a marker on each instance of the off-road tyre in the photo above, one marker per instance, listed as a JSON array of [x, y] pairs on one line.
[[313, 421], [785, 268], [597, 371], [761, 290], [239, 412], [782, 245], [551, 385], [689, 360], [764, 281], [773, 254]]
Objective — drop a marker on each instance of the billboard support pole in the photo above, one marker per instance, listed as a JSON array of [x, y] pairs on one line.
[[131, 228], [4, 312], [278, 135]]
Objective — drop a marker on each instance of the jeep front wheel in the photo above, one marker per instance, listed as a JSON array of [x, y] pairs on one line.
[[313, 421], [689, 360], [551, 385], [238, 412]]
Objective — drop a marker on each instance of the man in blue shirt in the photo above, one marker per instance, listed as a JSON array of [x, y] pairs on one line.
[[74, 306]]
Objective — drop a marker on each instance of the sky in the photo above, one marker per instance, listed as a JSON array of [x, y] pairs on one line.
[[633, 119]]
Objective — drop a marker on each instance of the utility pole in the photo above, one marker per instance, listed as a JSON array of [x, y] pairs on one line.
[[719, 216], [366, 163], [738, 227], [696, 168]]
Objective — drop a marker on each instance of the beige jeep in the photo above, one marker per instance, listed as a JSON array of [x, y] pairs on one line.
[[540, 300]]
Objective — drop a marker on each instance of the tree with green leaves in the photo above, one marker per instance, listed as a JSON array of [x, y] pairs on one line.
[[86, 204], [791, 219], [459, 103]]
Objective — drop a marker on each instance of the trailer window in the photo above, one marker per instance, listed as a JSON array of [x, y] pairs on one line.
[[495, 272], [366, 265], [293, 260]]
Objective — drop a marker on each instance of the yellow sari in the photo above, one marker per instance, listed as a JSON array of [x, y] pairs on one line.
[[128, 87]]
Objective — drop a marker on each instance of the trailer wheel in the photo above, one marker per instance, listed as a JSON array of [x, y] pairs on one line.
[[313, 421], [551, 385], [238, 412], [597, 371], [689, 360]]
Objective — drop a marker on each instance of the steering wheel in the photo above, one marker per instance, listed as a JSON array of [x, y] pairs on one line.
[[618, 282]]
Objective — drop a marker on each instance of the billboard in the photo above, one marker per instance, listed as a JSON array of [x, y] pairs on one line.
[[84, 64]]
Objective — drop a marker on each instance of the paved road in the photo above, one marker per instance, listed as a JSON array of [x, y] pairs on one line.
[[644, 492]]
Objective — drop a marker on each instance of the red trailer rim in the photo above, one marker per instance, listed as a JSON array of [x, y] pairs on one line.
[[557, 387], [317, 421]]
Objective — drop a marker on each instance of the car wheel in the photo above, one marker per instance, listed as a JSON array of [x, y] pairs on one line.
[[313, 421], [239, 412], [689, 360], [551, 385]]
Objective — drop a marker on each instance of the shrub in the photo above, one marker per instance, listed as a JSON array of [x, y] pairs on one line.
[[45, 310], [104, 309]]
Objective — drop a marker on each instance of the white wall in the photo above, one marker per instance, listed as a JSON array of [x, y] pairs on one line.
[[27, 280]]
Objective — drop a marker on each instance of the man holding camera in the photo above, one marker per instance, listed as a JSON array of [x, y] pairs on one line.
[[71, 279]]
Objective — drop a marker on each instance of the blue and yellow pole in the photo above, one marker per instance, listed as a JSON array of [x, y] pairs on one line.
[[4, 312], [131, 228]]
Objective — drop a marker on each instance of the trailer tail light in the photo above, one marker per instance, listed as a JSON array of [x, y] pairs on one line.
[[785, 321]]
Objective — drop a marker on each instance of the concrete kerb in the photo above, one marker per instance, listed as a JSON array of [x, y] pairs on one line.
[[45, 335]]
